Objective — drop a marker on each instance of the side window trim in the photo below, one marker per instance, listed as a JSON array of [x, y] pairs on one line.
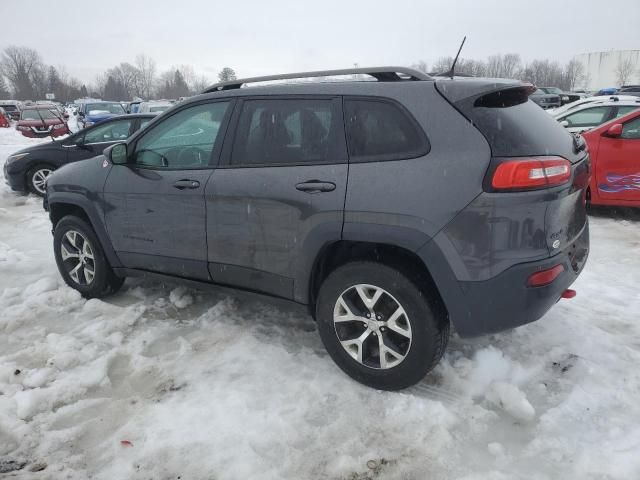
[[426, 143], [217, 146], [230, 139]]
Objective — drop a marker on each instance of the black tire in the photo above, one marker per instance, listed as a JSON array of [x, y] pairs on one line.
[[31, 173], [429, 327], [104, 281]]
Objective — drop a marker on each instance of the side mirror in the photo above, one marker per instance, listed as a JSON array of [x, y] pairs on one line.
[[117, 153], [564, 123], [614, 131]]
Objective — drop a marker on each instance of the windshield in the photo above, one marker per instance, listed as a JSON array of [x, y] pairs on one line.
[[9, 108], [39, 114], [97, 108]]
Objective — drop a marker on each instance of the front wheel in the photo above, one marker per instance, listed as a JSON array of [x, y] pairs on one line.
[[37, 178], [81, 260], [378, 326]]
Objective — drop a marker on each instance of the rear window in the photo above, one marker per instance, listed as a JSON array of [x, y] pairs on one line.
[[381, 130], [515, 126]]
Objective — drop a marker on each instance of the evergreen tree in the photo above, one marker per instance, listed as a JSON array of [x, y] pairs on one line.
[[83, 91], [226, 74], [180, 87]]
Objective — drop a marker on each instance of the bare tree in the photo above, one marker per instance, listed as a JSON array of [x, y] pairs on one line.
[[511, 65], [18, 64], [442, 65], [421, 66], [147, 73], [573, 72], [624, 70]]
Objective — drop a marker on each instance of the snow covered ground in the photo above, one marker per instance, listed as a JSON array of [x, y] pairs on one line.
[[163, 382]]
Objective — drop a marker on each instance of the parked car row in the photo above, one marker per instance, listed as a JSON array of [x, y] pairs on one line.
[[28, 169]]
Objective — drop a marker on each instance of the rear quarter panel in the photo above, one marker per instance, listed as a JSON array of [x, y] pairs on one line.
[[410, 200]]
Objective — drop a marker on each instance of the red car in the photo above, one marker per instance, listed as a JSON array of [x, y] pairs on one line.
[[4, 119], [615, 157], [39, 121]]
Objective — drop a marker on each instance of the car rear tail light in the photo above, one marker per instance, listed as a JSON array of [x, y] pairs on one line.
[[545, 277], [531, 173]]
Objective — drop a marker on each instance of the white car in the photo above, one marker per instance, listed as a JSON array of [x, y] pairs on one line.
[[556, 112], [591, 115], [154, 107]]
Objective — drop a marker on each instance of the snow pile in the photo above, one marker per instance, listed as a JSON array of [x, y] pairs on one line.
[[161, 381]]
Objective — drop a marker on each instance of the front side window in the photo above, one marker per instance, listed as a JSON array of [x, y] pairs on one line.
[[184, 140], [588, 117], [286, 131], [631, 129], [109, 132], [380, 130]]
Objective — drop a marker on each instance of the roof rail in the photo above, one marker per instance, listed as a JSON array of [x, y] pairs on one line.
[[382, 74]]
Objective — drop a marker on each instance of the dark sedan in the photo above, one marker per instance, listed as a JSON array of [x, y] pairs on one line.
[[545, 100], [28, 169]]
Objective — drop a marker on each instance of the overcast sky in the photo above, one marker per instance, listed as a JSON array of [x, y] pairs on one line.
[[258, 37]]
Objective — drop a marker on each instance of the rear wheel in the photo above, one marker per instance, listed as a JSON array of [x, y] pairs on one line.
[[37, 178], [378, 326], [81, 260]]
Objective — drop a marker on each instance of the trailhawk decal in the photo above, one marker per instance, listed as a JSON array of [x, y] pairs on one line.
[[618, 183]]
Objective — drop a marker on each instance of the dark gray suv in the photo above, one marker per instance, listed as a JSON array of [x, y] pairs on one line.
[[393, 208]]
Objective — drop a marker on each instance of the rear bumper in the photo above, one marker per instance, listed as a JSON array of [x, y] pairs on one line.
[[505, 301]]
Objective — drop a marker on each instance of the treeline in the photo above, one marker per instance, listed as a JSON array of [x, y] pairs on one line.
[[24, 76], [544, 72]]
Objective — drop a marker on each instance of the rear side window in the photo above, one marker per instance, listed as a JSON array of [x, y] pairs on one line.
[[515, 126], [381, 130], [288, 132]]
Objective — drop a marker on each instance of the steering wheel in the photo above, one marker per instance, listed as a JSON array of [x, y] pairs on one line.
[[190, 156]]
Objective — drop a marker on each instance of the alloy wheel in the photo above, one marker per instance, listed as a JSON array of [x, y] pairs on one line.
[[39, 179], [372, 326], [77, 257]]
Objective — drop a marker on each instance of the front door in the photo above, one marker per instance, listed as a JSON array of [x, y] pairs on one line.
[[154, 205], [279, 195], [618, 164], [95, 139]]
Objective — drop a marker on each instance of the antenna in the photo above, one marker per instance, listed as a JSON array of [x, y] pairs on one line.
[[451, 72]]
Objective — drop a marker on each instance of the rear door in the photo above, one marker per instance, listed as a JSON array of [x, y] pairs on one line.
[[97, 138], [154, 205], [279, 195], [618, 164]]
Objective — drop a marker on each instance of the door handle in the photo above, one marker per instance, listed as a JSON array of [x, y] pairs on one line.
[[184, 184], [316, 186]]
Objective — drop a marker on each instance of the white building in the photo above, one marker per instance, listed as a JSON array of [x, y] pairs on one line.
[[601, 68]]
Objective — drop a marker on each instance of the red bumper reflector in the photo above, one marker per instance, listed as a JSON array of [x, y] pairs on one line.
[[545, 277], [568, 293]]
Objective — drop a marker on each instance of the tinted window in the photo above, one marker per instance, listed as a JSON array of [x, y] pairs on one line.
[[183, 140], [109, 132], [588, 117], [287, 131], [379, 130], [516, 126], [631, 129]]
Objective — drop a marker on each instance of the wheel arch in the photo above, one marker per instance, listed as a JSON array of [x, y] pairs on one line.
[[343, 251], [61, 205]]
